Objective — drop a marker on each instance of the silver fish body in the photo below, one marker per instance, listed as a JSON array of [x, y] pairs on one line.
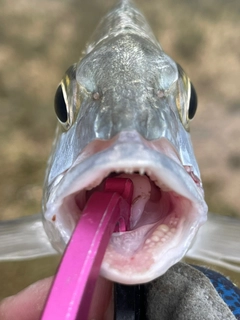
[[124, 111]]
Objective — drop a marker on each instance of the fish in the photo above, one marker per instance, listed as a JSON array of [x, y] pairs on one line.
[[124, 111], [217, 240]]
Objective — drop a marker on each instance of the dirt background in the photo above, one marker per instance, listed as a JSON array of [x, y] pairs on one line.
[[39, 40]]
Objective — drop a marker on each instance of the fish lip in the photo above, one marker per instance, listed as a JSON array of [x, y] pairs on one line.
[[116, 158]]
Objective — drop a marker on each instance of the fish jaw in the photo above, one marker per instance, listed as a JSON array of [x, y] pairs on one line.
[[168, 205]]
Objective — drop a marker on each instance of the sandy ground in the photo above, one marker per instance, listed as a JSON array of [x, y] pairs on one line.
[[40, 40]]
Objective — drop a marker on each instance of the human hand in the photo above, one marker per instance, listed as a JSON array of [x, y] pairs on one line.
[[28, 304]]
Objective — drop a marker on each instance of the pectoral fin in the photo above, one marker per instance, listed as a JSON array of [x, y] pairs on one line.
[[217, 241], [24, 238]]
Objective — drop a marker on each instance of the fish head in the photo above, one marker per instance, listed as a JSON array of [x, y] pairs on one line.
[[124, 111]]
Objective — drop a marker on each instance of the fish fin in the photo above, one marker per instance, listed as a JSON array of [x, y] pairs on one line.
[[24, 238], [217, 242]]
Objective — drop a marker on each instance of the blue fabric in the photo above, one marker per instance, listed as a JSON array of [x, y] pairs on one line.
[[225, 288]]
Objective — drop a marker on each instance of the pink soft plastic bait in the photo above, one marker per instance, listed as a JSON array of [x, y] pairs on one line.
[[105, 212]]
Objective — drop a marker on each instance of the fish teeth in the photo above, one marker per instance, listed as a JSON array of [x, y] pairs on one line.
[[149, 173], [131, 170], [128, 170]]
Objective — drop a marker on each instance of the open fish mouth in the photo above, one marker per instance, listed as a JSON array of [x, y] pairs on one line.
[[166, 211]]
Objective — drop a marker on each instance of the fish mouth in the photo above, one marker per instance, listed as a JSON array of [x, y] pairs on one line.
[[167, 208]]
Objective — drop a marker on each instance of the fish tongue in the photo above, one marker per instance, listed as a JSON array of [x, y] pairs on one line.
[[144, 191]]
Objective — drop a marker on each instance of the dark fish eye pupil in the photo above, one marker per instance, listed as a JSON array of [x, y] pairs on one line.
[[60, 105], [193, 103]]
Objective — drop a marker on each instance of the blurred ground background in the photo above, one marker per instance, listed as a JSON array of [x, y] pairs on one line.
[[39, 40]]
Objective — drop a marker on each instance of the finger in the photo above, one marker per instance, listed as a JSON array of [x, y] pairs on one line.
[[102, 302], [28, 303]]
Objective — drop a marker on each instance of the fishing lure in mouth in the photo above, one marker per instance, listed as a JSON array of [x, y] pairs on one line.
[[124, 111]]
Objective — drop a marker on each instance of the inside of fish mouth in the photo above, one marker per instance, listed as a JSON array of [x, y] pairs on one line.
[[155, 212]]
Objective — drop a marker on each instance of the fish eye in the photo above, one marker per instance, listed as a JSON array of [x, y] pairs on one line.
[[66, 100], [186, 98], [60, 105], [192, 103]]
